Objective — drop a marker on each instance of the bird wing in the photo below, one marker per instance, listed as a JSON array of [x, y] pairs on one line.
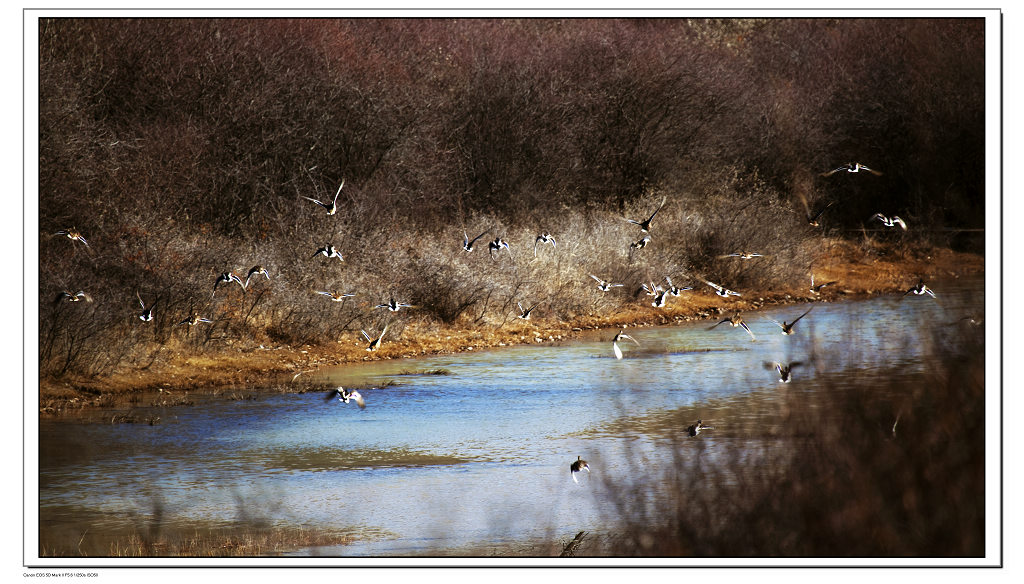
[[315, 201], [660, 207], [746, 328], [818, 214], [801, 316], [339, 191], [359, 399], [330, 395], [616, 350]]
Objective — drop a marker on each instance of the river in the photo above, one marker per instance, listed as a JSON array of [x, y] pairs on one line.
[[472, 451]]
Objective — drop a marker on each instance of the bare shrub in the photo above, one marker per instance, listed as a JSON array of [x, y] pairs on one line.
[[188, 145], [892, 472]]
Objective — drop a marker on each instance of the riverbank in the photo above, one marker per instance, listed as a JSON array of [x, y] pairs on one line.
[[858, 272]]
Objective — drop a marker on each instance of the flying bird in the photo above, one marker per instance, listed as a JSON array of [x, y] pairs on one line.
[[743, 255], [337, 296], [467, 243], [333, 207], [578, 465], [641, 243], [676, 290], [890, 221], [660, 299], [736, 321], [75, 297], [394, 306], [329, 251], [812, 218], [194, 320], [525, 313], [147, 313], [543, 238], [228, 277], [851, 167], [723, 292], [255, 271], [73, 234], [345, 396], [695, 429], [787, 328], [603, 285], [785, 370], [615, 343], [374, 343], [497, 245], [645, 224], [919, 289], [650, 288], [816, 289]]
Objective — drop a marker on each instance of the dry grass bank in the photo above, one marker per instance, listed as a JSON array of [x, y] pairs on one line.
[[858, 269]]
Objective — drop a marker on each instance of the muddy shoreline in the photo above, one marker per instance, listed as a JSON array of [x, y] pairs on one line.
[[234, 372]]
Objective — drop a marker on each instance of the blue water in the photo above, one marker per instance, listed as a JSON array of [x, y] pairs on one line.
[[481, 455]]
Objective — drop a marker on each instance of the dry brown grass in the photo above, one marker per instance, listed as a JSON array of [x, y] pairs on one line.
[[202, 542], [181, 368]]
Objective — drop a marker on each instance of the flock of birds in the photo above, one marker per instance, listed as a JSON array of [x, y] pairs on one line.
[[499, 245], [784, 370], [228, 278]]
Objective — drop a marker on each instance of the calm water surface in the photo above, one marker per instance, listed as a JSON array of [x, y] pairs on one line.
[[480, 456]]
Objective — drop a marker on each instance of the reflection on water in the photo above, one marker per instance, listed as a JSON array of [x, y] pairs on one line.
[[480, 456]]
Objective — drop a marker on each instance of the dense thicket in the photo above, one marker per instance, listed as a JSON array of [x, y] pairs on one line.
[[225, 121], [183, 147]]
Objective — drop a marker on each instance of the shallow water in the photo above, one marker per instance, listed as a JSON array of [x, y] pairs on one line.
[[480, 456]]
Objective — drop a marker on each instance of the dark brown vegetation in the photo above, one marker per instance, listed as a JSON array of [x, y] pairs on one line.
[[183, 148], [892, 470]]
